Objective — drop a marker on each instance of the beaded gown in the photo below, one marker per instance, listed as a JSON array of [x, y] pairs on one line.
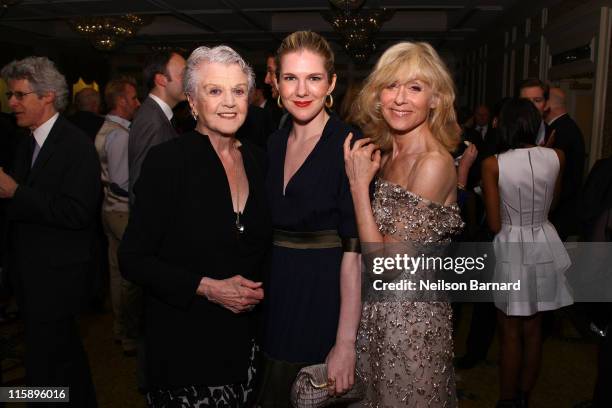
[[404, 346]]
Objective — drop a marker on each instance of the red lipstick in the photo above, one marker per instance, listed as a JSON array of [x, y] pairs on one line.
[[302, 104]]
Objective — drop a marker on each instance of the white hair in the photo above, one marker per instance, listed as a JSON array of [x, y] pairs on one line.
[[221, 54], [42, 75]]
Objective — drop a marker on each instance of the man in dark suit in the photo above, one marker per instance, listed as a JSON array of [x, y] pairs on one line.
[[256, 128], [87, 117], [163, 75], [482, 324], [258, 125], [567, 137], [274, 111], [52, 205], [482, 136]]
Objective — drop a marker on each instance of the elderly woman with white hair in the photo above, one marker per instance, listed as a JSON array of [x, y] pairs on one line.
[[196, 240]]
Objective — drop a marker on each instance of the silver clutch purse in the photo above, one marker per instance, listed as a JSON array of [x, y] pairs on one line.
[[310, 389]]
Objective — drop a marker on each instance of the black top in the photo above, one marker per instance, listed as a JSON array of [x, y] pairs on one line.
[[274, 112], [569, 139], [181, 229], [257, 127], [485, 147], [88, 122], [318, 195], [302, 302]]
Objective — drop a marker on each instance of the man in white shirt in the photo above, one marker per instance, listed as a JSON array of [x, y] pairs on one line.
[[482, 117], [112, 146], [163, 75]]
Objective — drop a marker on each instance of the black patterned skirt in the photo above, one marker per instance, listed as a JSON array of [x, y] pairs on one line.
[[201, 396]]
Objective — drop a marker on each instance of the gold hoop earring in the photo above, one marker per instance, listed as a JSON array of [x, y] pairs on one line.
[[329, 103], [279, 103]]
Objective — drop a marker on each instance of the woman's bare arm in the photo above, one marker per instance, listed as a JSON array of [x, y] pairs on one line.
[[490, 177]]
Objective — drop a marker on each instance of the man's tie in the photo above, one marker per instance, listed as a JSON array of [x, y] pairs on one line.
[[35, 150], [481, 129]]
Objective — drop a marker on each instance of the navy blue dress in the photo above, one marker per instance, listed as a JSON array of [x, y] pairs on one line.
[[303, 287]]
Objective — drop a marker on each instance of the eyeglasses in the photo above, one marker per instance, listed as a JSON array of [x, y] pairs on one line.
[[18, 95]]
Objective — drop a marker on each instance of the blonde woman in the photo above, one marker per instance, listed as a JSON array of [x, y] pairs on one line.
[[404, 344], [312, 302]]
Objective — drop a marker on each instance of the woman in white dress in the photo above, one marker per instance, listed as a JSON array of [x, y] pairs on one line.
[[519, 185]]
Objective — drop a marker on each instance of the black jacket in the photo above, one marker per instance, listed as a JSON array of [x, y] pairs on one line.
[[51, 222], [568, 138], [182, 228], [88, 122]]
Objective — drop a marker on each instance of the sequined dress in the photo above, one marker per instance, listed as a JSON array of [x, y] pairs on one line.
[[405, 347]]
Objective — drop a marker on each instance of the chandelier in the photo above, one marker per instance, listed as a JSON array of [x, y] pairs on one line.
[[107, 33], [356, 26]]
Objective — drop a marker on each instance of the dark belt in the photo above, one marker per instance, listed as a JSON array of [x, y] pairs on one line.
[[314, 240]]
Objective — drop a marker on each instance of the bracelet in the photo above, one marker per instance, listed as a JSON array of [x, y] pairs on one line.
[[460, 186]]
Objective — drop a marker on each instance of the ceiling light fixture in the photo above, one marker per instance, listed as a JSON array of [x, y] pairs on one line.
[[357, 26], [107, 33]]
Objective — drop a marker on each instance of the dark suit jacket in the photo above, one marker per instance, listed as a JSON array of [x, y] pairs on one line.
[[181, 228], [150, 127], [596, 197], [9, 138], [485, 148], [51, 221], [568, 138], [274, 113], [88, 122], [256, 128]]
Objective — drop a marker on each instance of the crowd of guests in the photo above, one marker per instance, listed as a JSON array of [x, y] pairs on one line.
[[237, 215]]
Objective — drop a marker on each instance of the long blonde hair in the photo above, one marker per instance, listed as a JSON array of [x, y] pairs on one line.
[[409, 60]]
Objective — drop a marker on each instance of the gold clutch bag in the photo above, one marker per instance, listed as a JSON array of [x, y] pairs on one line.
[[310, 389]]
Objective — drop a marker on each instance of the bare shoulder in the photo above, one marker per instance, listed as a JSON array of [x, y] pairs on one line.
[[490, 164], [434, 177], [434, 164]]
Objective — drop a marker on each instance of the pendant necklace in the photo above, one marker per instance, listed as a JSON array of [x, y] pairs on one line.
[[239, 224]]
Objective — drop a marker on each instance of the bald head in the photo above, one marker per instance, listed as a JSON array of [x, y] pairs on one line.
[[88, 99], [556, 104], [557, 97]]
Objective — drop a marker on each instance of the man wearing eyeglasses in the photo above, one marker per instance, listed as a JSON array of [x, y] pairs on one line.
[[52, 196]]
